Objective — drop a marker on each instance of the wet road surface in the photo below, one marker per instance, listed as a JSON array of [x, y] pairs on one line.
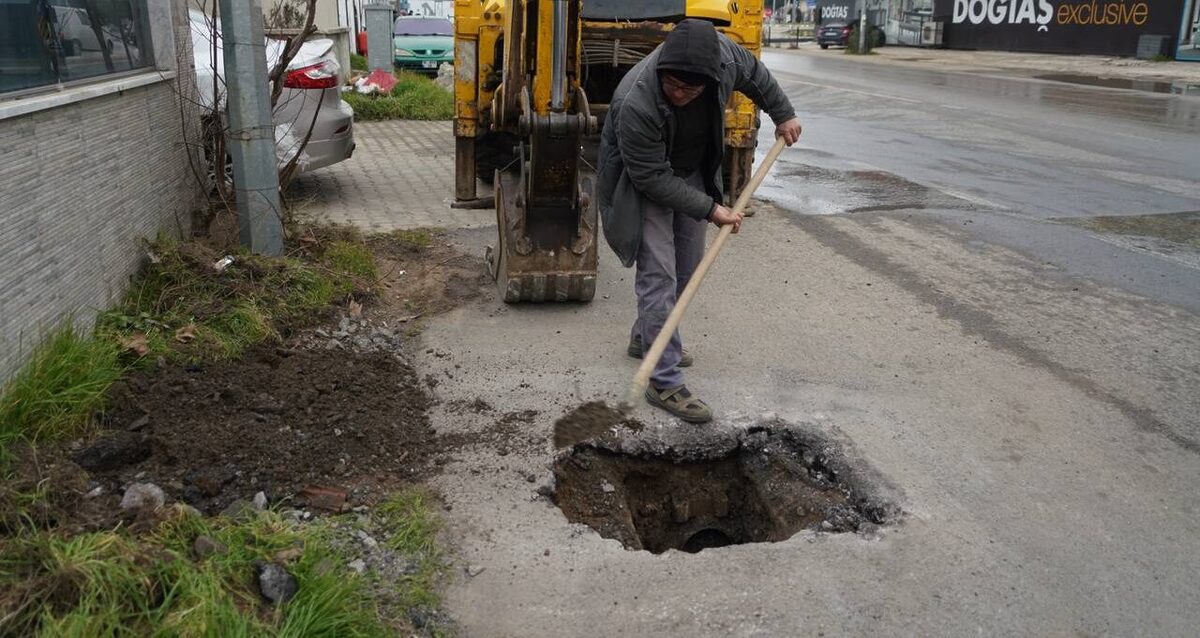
[[1019, 161]]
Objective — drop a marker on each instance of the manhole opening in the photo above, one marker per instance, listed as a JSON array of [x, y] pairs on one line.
[[762, 485]]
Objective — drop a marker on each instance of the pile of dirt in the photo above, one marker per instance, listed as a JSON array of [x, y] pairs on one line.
[[277, 421]]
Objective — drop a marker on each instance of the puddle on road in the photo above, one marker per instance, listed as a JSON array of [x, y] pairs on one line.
[[763, 484], [1179, 228], [1149, 86], [816, 190]]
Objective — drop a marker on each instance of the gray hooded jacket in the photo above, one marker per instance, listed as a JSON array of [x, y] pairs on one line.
[[638, 131]]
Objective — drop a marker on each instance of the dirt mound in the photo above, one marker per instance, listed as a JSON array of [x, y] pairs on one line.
[[276, 421], [424, 274]]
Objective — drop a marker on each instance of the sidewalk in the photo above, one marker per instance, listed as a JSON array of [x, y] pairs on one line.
[[1020, 64], [401, 176]]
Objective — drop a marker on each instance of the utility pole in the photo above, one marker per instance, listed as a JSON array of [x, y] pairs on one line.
[[251, 129], [771, 24], [862, 27], [380, 21]]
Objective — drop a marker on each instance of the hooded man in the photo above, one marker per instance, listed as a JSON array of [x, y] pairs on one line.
[[660, 179]]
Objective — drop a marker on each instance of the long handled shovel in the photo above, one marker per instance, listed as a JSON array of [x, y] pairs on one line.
[[642, 377]]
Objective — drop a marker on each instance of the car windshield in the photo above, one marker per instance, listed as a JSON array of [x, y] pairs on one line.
[[424, 26]]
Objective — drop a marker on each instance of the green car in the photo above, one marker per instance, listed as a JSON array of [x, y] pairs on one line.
[[423, 44]]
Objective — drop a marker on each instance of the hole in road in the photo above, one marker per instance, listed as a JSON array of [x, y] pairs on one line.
[[759, 485]]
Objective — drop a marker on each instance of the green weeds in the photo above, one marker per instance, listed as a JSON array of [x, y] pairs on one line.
[[54, 395], [411, 529], [417, 239], [184, 309], [117, 584]]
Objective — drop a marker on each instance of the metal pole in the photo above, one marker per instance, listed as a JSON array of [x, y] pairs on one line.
[[862, 27], [771, 24], [251, 131]]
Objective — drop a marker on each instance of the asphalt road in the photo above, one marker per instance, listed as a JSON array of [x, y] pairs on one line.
[[1002, 154], [983, 285]]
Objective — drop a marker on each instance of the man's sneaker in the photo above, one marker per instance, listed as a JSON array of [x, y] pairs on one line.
[[635, 351], [680, 402]]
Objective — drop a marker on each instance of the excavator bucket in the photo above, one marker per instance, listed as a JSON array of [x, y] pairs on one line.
[[546, 253]]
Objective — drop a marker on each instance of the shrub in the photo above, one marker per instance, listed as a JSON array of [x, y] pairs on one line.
[[414, 97]]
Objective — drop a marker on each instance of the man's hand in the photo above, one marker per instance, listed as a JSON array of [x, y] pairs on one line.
[[721, 216], [789, 131]]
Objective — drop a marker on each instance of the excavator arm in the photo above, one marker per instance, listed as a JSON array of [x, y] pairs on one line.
[[544, 198]]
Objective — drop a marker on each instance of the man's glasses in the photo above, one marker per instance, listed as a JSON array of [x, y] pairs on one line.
[[674, 84]]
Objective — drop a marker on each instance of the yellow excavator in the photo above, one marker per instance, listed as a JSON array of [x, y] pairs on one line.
[[532, 83]]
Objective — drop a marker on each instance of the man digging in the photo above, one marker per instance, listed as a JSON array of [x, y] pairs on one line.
[[660, 180]]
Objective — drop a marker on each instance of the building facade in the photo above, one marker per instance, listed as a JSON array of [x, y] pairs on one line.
[[1100, 27], [94, 118]]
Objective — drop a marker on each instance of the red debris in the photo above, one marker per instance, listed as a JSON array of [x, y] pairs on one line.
[[330, 499], [383, 79]]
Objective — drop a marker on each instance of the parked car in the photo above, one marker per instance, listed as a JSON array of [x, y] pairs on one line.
[[311, 98], [838, 33], [422, 44], [76, 32]]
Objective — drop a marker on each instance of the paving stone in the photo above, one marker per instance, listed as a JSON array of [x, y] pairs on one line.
[[401, 176]]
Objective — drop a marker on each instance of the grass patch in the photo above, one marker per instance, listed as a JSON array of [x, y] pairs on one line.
[[116, 584], [415, 97], [358, 62], [411, 529], [183, 309], [54, 395], [418, 239]]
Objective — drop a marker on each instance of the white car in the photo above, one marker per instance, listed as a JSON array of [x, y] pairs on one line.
[[311, 98]]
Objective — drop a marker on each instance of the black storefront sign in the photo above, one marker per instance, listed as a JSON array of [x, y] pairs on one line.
[[1105, 27]]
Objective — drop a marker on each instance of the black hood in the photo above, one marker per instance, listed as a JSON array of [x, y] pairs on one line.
[[692, 48]]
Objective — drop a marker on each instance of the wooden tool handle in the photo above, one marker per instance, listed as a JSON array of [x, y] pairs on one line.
[[642, 377]]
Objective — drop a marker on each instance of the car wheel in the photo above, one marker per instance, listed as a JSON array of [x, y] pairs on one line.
[[824, 46]]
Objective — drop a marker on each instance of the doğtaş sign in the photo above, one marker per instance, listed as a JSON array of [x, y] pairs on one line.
[[1109, 27], [838, 10]]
